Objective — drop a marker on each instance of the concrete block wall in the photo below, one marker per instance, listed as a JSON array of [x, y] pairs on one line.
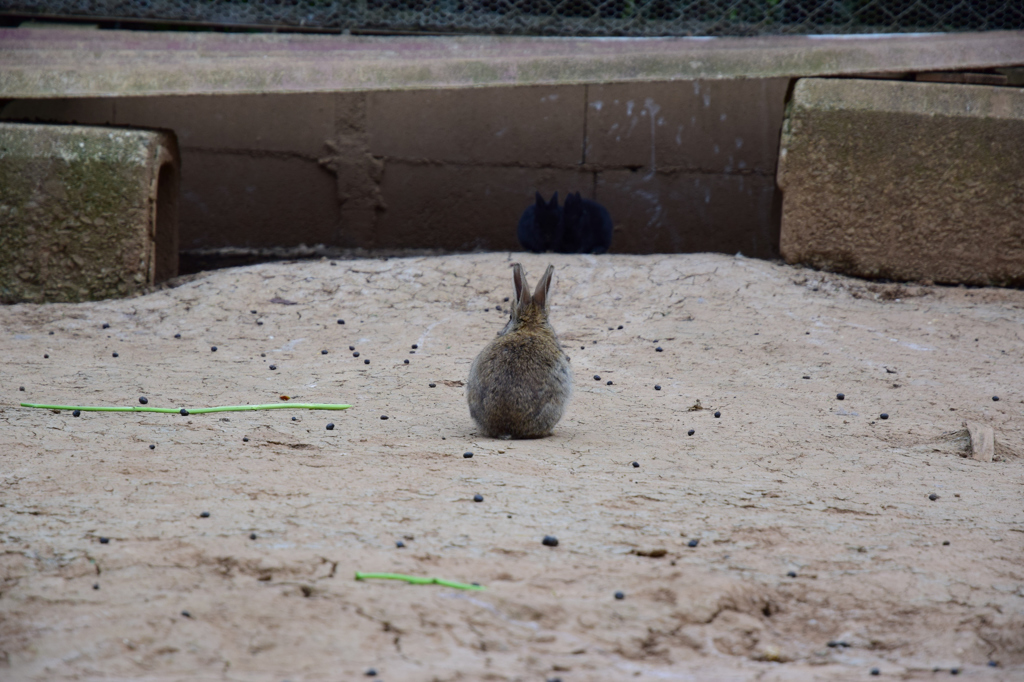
[[681, 166]]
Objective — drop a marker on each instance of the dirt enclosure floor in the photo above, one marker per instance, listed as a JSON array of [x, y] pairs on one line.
[[818, 554]]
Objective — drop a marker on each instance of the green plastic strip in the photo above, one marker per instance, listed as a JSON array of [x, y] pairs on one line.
[[198, 410], [417, 580]]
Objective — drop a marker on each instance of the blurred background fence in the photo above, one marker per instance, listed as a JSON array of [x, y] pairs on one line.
[[540, 17]]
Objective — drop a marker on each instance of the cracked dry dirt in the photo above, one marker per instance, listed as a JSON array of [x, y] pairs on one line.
[[788, 479]]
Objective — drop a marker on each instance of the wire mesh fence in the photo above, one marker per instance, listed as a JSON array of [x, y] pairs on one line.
[[547, 17]]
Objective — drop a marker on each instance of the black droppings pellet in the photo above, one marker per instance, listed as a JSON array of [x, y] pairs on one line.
[[152, 446], [467, 455], [183, 412], [840, 396], [954, 671], [478, 498], [106, 325], [76, 413], [609, 383], [341, 321], [636, 464], [371, 673], [791, 574], [252, 536], [366, 362], [51, 333], [186, 614], [659, 349], [143, 399], [620, 595], [384, 417], [693, 543], [253, 312], [245, 439], [204, 515], [415, 346], [259, 322], [497, 307], [933, 497], [657, 387], [104, 541], [550, 541], [432, 385], [993, 664], [945, 542], [273, 367], [47, 355], [995, 398], [323, 352], [356, 354], [620, 326], [412, 352], [884, 415], [690, 432], [213, 349], [407, 361], [487, 310], [95, 586], [21, 388], [114, 355], [597, 377], [806, 377], [876, 671], [295, 419], [399, 544], [718, 415], [330, 426]]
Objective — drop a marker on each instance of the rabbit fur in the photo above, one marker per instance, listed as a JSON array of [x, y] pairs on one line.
[[582, 226], [521, 382], [587, 226], [540, 226]]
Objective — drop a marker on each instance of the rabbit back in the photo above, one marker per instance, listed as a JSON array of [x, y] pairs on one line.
[[519, 387], [521, 382]]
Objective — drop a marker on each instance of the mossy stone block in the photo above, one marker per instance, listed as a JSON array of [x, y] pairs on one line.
[[86, 213], [905, 181]]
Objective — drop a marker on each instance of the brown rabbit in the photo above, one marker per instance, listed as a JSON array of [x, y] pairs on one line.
[[521, 382]]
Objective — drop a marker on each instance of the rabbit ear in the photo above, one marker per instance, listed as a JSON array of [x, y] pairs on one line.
[[554, 201], [522, 288], [539, 200], [540, 296]]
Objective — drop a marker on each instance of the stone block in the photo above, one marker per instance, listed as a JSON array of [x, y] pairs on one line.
[[86, 213], [253, 201], [904, 180], [460, 208], [709, 125], [530, 125], [691, 212]]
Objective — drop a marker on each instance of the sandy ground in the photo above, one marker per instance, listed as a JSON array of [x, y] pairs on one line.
[[788, 481]]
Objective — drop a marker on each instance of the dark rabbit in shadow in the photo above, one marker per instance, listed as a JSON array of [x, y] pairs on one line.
[[582, 226], [587, 226], [540, 226]]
